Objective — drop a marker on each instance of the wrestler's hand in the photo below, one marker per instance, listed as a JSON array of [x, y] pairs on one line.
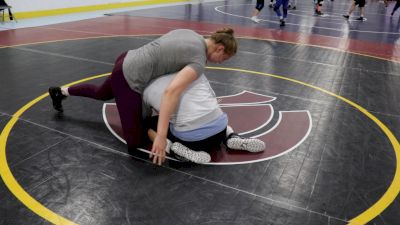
[[158, 150]]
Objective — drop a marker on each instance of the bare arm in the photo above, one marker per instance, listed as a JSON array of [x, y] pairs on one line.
[[168, 106]]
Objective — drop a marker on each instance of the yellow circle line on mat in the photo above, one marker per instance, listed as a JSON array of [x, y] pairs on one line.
[[51, 216], [394, 189], [10, 180]]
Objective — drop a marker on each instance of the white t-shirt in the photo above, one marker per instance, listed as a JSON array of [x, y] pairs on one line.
[[198, 105]]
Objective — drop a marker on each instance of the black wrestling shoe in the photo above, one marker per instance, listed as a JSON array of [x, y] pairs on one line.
[[57, 97], [282, 22], [346, 16]]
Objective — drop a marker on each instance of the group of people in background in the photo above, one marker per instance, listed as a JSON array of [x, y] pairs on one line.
[[291, 4], [276, 5], [285, 5]]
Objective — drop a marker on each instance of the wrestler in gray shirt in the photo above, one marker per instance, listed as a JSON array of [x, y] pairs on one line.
[[162, 56]]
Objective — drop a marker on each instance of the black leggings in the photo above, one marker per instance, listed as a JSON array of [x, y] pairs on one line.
[[202, 145], [260, 5], [396, 6]]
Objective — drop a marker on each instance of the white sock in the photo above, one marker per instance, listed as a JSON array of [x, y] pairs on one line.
[[64, 91], [229, 130], [168, 147]]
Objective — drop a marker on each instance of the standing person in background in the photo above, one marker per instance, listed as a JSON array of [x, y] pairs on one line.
[[271, 3], [318, 6], [282, 17], [395, 7], [182, 51], [292, 4], [257, 10], [361, 4], [4, 4]]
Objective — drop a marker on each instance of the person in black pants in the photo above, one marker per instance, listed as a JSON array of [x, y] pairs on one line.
[[318, 6], [361, 4], [395, 7], [5, 5], [257, 10]]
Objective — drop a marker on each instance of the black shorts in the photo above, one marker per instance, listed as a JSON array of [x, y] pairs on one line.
[[360, 3], [203, 145], [260, 5]]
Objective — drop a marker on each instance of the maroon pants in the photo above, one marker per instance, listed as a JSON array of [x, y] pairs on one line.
[[129, 102]]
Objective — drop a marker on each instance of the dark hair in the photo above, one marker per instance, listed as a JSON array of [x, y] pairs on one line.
[[225, 37]]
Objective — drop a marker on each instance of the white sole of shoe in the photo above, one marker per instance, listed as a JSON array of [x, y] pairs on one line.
[[246, 144], [199, 157]]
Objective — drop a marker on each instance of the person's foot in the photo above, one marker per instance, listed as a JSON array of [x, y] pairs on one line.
[[282, 22], [360, 18], [57, 97], [294, 8], [189, 154], [391, 14], [237, 142], [255, 19], [346, 16], [319, 13]]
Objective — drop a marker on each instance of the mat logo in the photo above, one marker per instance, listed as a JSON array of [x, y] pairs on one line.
[[249, 114]]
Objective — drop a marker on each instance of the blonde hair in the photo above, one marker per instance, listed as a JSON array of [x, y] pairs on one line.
[[225, 37]]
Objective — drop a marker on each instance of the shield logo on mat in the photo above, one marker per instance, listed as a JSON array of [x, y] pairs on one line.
[[249, 114]]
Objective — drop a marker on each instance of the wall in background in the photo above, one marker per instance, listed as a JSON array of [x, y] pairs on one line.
[[39, 5], [38, 8]]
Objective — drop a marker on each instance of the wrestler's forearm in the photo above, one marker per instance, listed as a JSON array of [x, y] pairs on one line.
[[168, 106]]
